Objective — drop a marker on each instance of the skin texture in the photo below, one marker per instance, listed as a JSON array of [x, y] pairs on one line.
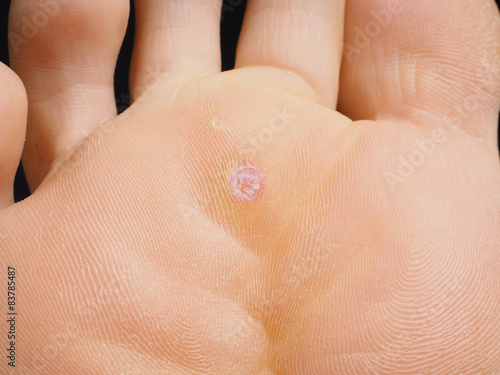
[[373, 249], [247, 182]]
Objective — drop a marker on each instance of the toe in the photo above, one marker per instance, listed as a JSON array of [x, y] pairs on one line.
[[13, 108], [65, 51], [178, 39], [298, 37], [425, 60]]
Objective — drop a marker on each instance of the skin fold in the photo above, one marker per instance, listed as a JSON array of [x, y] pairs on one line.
[[374, 247]]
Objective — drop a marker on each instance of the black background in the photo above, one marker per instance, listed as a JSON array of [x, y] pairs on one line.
[[232, 16]]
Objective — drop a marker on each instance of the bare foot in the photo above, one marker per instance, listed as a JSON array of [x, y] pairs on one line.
[[236, 223]]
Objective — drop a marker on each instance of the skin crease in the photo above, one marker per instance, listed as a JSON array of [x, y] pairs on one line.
[[374, 248]]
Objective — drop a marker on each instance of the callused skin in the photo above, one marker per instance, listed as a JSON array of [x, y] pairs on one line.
[[333, 270]]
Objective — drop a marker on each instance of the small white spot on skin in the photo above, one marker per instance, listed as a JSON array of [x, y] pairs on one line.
[[247, 182], [218, 125]]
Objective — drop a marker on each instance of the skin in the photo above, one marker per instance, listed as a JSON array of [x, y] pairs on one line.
[[374, 248]]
